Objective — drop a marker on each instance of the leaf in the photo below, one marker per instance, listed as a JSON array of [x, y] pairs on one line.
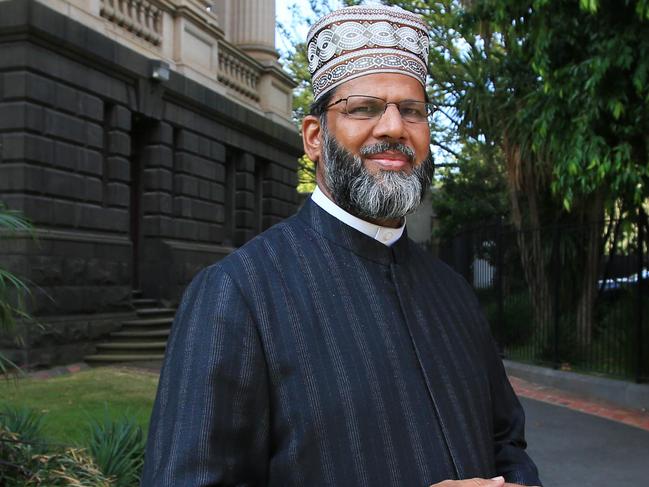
[[589, 5], [117, 446]]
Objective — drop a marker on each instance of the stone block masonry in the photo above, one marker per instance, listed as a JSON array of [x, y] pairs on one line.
[[130, 183]]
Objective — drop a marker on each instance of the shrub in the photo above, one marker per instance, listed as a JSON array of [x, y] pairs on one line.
[[118, 449], [23, 421], [23, 467]]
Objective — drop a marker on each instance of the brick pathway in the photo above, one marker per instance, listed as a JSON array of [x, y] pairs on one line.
[[639, 419]]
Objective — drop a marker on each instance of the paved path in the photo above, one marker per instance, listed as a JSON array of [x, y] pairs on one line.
[[575, 449], [558, 397], [580, 443]]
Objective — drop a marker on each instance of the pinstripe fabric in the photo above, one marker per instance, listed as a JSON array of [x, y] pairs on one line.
[[316, 356]]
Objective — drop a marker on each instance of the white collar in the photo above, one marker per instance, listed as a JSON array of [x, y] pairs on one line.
[[386, 235]]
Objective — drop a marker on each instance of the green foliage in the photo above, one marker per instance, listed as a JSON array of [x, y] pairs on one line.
[[12, 220], [113, 447], [572, 79], [24, 421], [13, 290], [613, 350], [560, 86], [306, 175], [22, 466], [594, 123], [118, 449], [515, 326], [473, 192], [12, 299]]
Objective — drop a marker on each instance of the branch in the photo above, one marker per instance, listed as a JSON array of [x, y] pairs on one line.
[[446, 148]]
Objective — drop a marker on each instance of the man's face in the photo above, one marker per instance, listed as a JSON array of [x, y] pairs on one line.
[[375, 169]]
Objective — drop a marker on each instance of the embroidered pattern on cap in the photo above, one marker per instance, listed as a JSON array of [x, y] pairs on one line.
[[354, 41]]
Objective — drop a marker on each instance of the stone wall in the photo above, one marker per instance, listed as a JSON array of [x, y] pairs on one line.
[[131, 183]]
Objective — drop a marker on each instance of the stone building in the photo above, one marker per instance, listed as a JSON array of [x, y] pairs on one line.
[[145, 139]]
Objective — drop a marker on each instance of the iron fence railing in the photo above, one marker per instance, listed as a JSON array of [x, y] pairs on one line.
[[570, 297]]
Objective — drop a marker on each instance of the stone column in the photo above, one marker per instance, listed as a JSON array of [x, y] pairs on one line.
[[252, 28]]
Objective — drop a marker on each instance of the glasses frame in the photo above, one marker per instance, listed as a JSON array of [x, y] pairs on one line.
[[430, 108]]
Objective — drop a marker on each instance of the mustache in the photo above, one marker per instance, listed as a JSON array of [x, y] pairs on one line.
[[370, 150]]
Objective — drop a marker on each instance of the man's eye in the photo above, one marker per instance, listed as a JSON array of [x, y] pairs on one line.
[[363, 109], [414, 111]]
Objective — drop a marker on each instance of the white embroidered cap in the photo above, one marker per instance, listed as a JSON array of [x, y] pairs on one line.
[[355, 41]]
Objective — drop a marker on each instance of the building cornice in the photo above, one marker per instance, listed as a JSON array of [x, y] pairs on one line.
[[190, 38]]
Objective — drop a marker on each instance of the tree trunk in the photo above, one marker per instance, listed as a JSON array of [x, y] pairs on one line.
[[588, 288], [534, 263], [523, 191]]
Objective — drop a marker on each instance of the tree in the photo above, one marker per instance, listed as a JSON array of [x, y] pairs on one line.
[[469, 191], [592, 120], [559, 89]]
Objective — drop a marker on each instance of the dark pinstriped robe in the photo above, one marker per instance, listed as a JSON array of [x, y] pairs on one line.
[[316, 356]]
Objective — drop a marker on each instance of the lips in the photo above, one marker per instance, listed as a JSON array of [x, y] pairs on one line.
[[390, 160]]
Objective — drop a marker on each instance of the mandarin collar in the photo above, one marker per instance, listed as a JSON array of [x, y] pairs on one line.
[[386, 235], [324, 224]]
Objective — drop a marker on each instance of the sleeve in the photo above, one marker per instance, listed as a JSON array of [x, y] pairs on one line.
[[210, 419], [512, 461]]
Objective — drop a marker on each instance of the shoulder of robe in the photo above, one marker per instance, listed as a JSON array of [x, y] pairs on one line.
[[251, 253]]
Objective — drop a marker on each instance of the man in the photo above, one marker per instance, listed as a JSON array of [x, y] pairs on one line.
[[331, 350]]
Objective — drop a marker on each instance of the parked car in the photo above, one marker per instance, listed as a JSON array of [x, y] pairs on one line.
[[622, 282]]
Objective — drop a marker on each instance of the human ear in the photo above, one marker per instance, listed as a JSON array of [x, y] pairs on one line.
[[312, 137]]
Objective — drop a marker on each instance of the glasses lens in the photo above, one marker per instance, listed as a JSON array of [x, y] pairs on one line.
[[364, 107], [415, 111]]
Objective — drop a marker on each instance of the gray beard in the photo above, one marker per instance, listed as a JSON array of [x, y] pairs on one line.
[[386, 195]]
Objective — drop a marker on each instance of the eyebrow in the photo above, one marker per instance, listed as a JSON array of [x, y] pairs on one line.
[[381, 98]]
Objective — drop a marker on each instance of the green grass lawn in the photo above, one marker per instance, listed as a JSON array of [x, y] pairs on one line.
[[70, 402]]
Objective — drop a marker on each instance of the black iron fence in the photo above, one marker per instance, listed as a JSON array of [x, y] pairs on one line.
[[569, 297]]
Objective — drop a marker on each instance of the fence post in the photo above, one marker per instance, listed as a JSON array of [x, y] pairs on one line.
[[556, 279], [639, 296], [499, 288]]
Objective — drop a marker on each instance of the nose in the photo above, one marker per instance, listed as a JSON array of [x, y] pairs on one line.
[[390, 124]]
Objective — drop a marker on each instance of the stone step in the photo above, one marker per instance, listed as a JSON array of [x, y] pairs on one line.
[[156, 333], [123, 357], [151, 312], [144, 303], [141, 339], [162, 333], [148, 322], [132, 345]]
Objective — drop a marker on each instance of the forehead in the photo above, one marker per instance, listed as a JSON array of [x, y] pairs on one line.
[[390, 86]]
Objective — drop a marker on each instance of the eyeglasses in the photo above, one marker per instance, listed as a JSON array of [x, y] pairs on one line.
[[361, 107]]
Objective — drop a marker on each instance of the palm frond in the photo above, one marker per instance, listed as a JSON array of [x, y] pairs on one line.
[[12, 220]]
